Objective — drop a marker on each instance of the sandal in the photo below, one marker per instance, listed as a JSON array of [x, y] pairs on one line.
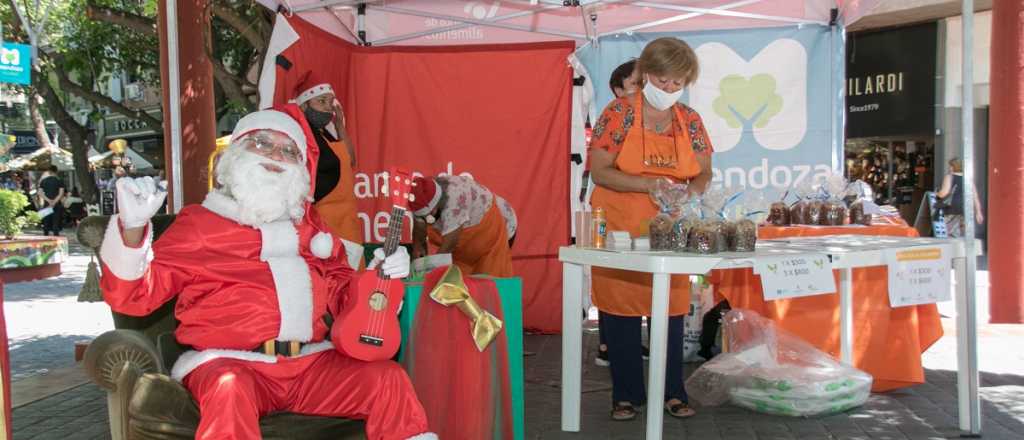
[[624, 411], [679, 410]]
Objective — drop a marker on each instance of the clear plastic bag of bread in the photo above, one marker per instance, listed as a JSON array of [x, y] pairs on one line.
[[769, 370], [861, 201], [669, 198], [833, 188], [708, 236], [805, 193], [743, 211], [778, 211], [689, 218]]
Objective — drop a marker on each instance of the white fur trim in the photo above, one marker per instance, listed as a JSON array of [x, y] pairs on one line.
[[313, 92], [125, 262], [353, 253], [271, 120], [321, 245], [190, 360], [282, 37], [316, 347], [433, 202], [294, 297], [280, 239], [424, 436], [222, 205]]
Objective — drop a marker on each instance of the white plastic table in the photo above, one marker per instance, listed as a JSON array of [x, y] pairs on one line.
[[846, 252]]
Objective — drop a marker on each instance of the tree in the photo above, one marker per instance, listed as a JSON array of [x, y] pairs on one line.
[[81, 52]]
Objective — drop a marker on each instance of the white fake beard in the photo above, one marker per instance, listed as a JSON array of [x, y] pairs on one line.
[[263, 196]]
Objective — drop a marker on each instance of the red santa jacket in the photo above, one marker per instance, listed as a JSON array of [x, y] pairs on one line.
[[237, 286]]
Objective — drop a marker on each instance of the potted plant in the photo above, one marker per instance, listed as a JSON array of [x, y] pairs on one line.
[[13, 217]]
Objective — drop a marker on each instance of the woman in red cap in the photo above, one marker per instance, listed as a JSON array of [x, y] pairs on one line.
[[334, 197], [463, 218]]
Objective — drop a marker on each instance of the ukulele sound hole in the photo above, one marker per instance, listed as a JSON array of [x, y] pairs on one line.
[[378, 301]]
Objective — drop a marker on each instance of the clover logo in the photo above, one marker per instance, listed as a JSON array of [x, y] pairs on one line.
[[10, 56], [761, 100]]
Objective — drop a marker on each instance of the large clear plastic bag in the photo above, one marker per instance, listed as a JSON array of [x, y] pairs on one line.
[[772, 371], [669, 198]]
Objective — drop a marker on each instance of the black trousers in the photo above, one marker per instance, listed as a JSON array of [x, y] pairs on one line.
[[55, 221], [622, 334]]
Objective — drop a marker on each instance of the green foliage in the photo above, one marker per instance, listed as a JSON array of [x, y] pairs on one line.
[[12, 220], [743, 101]]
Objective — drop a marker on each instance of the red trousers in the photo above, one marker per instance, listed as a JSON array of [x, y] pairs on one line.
[[233, 394]]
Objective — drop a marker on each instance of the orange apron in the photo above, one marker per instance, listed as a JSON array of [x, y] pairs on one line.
[[626, 293], [338, 208], [482, 249]]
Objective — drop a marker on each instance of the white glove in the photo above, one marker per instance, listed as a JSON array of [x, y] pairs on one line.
[[395, 265], [138, 199]]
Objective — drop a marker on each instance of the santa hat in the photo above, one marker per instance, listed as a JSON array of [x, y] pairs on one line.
[[311, 86], [426, 194]]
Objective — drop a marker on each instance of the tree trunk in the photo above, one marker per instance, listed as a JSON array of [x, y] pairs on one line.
[[38, 123], [76, 135]]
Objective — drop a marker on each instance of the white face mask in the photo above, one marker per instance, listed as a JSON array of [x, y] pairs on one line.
[[658, 98]]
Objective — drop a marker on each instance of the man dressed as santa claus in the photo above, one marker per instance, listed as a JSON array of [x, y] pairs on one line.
[[256, 274]]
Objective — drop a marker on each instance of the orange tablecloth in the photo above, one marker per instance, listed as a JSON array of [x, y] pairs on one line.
[[887, 342]]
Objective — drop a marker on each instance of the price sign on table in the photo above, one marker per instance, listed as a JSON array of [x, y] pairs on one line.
[[795, 276], [919, 276]]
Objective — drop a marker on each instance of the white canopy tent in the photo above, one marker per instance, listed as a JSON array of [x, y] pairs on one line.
[[435, 22], [57, 156]]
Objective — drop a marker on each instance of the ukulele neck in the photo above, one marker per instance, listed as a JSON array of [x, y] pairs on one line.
[[394, 236]]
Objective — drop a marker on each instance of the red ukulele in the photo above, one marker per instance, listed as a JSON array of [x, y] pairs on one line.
[[367, 327]]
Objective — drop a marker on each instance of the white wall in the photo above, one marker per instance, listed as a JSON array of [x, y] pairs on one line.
[[954, 59]]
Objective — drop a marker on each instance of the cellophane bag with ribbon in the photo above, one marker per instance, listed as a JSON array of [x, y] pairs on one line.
[[669, 198], [862, 205], [742, 212], [804, 191], [833, 187], [769, 370], [778, 211]]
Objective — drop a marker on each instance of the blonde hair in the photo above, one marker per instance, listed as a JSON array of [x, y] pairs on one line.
[[956, 164], [669, 56]]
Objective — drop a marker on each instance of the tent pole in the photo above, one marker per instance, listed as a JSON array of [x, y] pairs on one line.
[[174, 104], [677, 18], [477, 22], [725, 12], [324, 5], [456, 27], [967, 139]]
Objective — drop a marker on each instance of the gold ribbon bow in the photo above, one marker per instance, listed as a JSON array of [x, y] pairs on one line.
[[452, 290]]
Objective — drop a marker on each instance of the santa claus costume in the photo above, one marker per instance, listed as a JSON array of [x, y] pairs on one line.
[[243, 286]]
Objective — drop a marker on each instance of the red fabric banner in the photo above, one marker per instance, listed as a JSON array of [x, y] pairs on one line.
[[500, 113]]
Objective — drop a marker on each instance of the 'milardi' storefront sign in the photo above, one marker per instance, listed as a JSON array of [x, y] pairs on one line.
[[890, 86]]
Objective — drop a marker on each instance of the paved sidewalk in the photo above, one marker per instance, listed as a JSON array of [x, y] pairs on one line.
[[926, 411]]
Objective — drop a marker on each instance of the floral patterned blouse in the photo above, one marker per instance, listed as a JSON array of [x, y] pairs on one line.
[[615, 121], [467, 203]]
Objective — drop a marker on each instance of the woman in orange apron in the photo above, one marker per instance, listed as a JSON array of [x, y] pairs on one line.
[[333, 197], [639, 139], [465, 219]]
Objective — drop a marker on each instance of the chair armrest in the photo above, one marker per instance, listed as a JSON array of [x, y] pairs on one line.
[[110, 353]]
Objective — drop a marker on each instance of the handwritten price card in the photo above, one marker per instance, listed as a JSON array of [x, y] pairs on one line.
[[795, 276], [919, 276]]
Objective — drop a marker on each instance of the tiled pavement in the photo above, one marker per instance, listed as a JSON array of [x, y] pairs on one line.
[[43, 321], [924, 412]]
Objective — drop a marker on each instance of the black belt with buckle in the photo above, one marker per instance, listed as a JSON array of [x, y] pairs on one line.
[[283, 348]]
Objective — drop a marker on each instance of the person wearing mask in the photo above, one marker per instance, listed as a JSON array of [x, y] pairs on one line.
[[51, 193], [638, 140], [624, 81], [952, 193], [463, 218], [334, 195]]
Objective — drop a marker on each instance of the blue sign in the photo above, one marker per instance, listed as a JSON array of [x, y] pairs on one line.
[[16, 63], [763, 94]]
